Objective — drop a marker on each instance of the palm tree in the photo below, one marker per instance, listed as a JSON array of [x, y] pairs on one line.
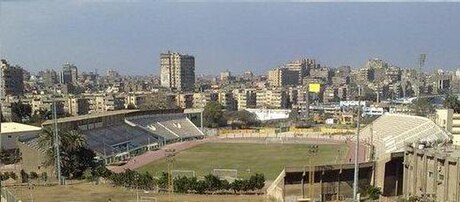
[[46, 142], [69, 141], [73, 140], [451, 102]]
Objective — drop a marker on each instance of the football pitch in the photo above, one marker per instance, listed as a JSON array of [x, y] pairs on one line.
[[247, 158]]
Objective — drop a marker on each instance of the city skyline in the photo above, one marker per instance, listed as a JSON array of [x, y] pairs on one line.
[[239, 37]]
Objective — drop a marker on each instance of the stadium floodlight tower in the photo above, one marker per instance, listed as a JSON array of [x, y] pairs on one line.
[[1, 94], [203, 105], [56, 140], [356, 175], [312, 152], [170, 153]]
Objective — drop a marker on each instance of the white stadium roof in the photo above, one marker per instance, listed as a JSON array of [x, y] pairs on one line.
[[391, 132], [13, 127]]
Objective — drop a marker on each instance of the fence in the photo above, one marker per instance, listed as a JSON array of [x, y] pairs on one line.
[[267, 131], [8, 196]]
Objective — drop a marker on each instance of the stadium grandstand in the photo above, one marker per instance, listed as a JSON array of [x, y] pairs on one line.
[[121, 141], [118, 135], [171, 127], [391, 132], [387, 138]]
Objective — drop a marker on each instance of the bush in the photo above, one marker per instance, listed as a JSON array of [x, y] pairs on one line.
[[24, 176], [133, 179], [13, 175], [4, 176], [44, 176], [373, 192], [183, 184], [33, 175], [88, 175]]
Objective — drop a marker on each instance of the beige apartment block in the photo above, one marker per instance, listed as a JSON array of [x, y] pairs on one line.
[[177, 71]]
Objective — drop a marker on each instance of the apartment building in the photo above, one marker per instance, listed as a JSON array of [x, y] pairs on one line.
[[449, 121], [272, 99], [177, 71], [13, 79], [246, 98], [227, 100], [69, 74], [283, 77]]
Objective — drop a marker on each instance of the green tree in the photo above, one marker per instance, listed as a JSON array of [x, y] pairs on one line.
[[44, 176], [20, 111], [200, 187], [452, 102], [162, 181], [259, 181], [212, 183], [46, 142], [39, 116], [241, 119], [225, 185], [237, 185], [182, 184], [373, 192], [75, 157], [213, 115], [422, 107], [33, 175], [73, 140]]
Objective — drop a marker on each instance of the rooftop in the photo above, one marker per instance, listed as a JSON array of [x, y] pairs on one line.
[[391, 132], [89, 116], [13, 127]]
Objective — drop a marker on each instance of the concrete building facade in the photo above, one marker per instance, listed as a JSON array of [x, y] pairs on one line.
[[449, 121], [69, 73], [13, 79], [177, 71], [283, 77], [432, 173]]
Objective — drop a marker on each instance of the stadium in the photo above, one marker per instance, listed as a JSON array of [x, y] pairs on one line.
[[142, 140]]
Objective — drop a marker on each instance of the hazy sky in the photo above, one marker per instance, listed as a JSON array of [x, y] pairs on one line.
[[236, 36]]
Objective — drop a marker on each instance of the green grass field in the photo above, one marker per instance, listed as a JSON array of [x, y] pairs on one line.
[[247, 158]]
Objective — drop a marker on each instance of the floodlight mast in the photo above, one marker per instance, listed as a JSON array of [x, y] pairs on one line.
[[56, 140], [421, 62], [356, 175]]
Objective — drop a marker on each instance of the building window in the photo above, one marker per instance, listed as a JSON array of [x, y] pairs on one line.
[[441, 177], [430, 174], [9, 136]]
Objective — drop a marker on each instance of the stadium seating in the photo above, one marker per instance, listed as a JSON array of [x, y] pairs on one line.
[[169, 126], [117, 139], [391, 132], [33, 143]]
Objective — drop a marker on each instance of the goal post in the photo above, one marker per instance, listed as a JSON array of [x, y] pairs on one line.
[[225, 173], [183, 173]]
